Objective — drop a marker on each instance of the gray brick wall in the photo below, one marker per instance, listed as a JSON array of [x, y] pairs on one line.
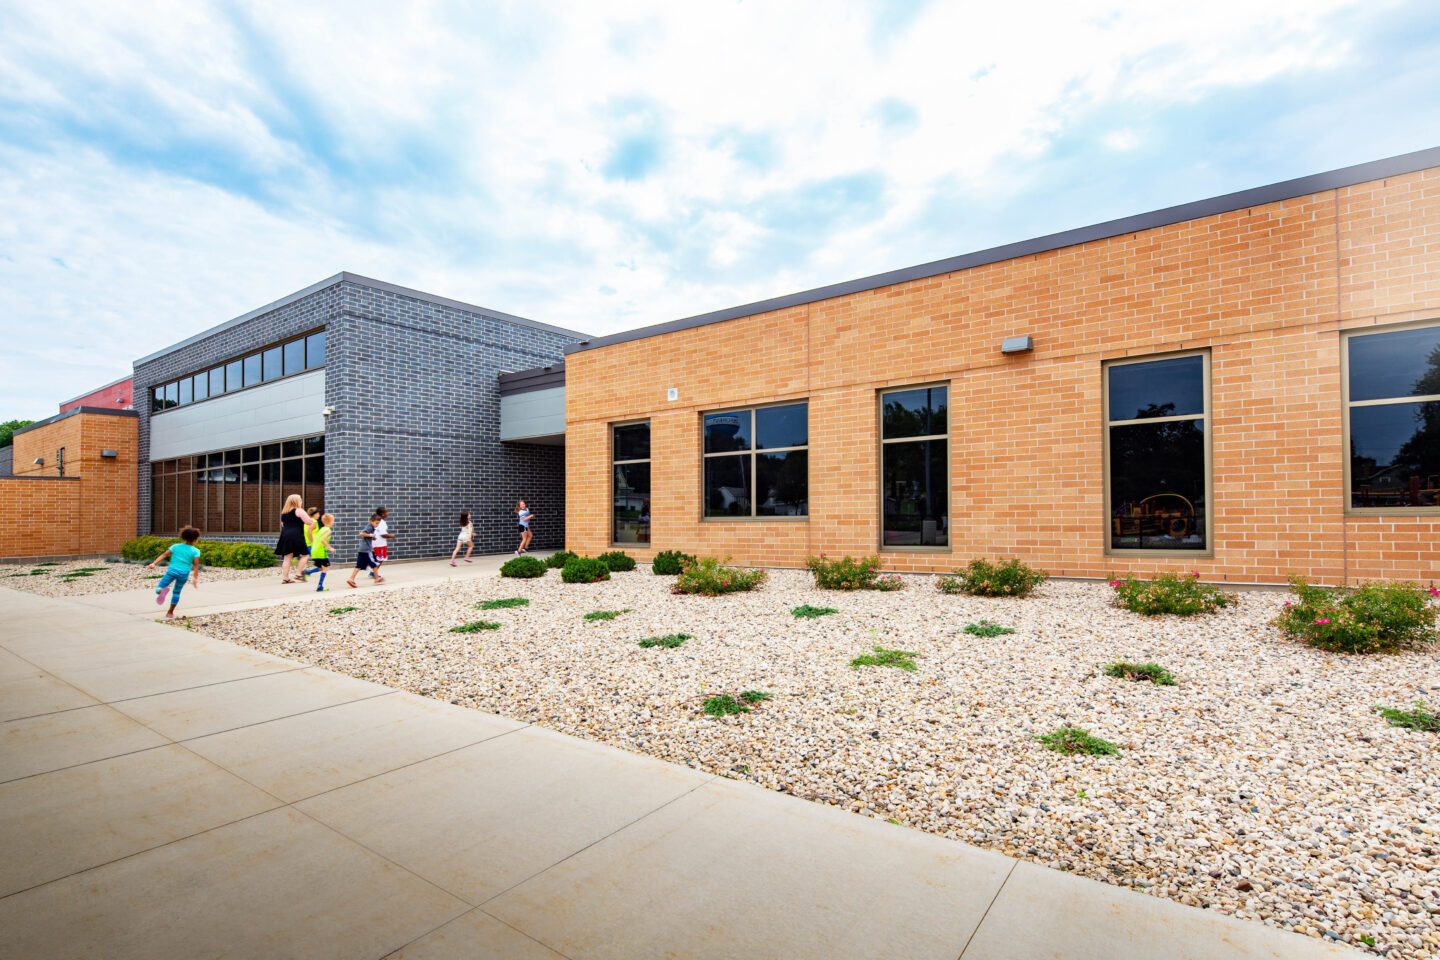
[[417, 416]]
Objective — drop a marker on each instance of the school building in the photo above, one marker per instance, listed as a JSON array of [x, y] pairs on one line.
[[1246, 386], [354, 393]]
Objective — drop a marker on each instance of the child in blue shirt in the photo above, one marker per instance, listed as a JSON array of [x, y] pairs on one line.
[[184, 565]]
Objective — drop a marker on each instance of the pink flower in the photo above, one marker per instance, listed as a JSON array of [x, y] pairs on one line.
[[1289, 603], [1435, 592], [1321, 622]]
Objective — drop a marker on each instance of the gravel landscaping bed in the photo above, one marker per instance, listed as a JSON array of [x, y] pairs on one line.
[[105, 577], [1264, 784]]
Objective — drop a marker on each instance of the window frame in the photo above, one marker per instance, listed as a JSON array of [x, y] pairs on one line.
[[610, 492], [1206, 418], [880, 442], [159, 406], [1346, 404], [752, 453]]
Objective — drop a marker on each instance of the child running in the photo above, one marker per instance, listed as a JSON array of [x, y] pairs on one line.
[[184, 558], [524, 514], [302, 562], [466, 539], [365, 560], [320, 549]]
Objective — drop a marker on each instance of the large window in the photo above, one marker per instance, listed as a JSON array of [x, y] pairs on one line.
[[914, 467], [757, 462], [630, 462], [1157, 426], [1392, 407], [236, 491], [282, 360]]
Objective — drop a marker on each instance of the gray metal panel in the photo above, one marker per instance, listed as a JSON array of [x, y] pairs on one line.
[[1285, 190], [533, 414], [273, 411]]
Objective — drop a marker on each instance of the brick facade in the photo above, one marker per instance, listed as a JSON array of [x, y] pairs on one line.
[[1266, 289], [91, 509], [412, 380]]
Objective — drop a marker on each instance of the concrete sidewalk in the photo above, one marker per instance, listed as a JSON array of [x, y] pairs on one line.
[[165, 795]]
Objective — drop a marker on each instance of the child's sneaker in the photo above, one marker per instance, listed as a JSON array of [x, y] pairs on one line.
[[169, 614], [468, 560], [452, 563], [161, 594]]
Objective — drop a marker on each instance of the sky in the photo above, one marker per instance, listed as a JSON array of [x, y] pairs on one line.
[[165, 167]]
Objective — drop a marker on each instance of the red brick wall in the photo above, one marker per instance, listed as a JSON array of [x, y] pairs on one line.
[[1266, 289], [117, 396]]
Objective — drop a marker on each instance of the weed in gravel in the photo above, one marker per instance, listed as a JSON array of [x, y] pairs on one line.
[[987, 629], [38, 573], [1071, 740], [52, 563], [904, 659], [153, 576], [606, 614], [504, 604], [1368, 940], [69, 573], [1421, 717], [339, 610], [1153, 672], [753, 697], [670, 640], [807, 612], [475, 626], [724, 704]]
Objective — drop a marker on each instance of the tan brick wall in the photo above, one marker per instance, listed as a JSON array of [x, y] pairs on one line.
[[92, 509], [1266, 289]]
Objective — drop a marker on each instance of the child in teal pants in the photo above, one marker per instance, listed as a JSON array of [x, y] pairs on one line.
[[184, 559]]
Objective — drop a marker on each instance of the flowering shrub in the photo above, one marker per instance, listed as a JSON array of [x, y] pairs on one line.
[[1006, 578], [667, 563], [1180, 594], [1371, 618], [847, 574], [710, 578]]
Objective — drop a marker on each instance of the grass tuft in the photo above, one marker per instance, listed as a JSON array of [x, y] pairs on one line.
[[606, 614], [670, 640], [1421, 717], [808, 612], [1153, 672], [880, 657], [724, 704], [1071, 740], [987, 629], [504, 604], [475, 626]]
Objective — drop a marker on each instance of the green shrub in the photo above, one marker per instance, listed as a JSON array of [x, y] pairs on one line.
[[987, 629], [669, 641], [668, 563], [1422, 717], [605, 614], [475, 626], [1182, 595], [618, 561], [880, 657], [1004, 578], [1371, 618], [504, 604], [557, 561], [147, 548], [807, 612], [708, 577], [584, 570], [724, 704], [248, 556], [1153, 672], [1071, 740], [525, 568], [847, 574]]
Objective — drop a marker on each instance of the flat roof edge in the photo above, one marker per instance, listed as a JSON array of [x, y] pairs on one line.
[[344, 276], [76, 411], [1135, 223], [536, 378]]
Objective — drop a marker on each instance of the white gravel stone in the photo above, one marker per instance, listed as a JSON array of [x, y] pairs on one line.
[[108, 578], [1264, 785]]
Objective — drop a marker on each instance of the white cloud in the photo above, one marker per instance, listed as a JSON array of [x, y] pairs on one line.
[[187, 165]]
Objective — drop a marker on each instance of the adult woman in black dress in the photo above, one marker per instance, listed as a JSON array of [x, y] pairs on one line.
[[293, 521]]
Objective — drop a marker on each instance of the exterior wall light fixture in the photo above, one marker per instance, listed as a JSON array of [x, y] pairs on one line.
[[1017, 344], [38, 461], [327, 411], [110, 454]]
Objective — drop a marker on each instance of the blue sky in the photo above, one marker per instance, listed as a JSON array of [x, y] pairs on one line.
[[167, 166]]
